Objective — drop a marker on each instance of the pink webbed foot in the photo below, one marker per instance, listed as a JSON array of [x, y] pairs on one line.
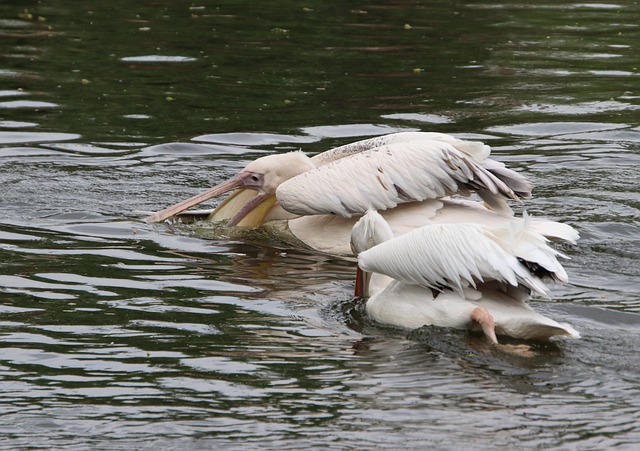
[[482, 316]]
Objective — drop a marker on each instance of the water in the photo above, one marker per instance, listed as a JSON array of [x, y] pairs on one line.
[[117, 334]]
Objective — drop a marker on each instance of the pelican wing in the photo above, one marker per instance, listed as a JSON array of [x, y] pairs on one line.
[[527, 240], [474, 149], [384, 176], [449, 256]]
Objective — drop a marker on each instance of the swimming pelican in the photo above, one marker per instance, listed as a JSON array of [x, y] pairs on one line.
[[464, 275], [405, 174]]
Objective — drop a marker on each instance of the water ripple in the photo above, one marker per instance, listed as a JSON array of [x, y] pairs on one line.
[[120, 334]]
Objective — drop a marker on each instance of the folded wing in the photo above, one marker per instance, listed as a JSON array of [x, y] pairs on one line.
[[456, 256], [383, 172]]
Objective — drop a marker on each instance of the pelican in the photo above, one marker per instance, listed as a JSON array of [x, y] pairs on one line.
[[461, 275], [408, 175]]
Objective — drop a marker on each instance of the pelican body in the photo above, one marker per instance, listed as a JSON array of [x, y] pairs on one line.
[[407, 176], [461, 275]]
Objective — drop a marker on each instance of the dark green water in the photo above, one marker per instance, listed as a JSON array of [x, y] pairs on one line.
[[120, 335]]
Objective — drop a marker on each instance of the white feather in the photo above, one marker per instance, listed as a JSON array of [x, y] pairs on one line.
[[457, 256], [475, 150], [385, 176]]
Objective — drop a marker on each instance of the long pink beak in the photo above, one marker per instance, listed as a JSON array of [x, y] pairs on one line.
[[236, 182]]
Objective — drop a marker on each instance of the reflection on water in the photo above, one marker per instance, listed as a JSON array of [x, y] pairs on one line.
[[119, 334]]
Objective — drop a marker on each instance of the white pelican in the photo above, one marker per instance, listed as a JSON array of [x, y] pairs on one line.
[[465, 275], [405, 174]]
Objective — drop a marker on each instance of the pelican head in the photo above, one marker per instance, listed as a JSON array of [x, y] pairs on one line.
[[267, 173], [263, 175], [370, 230]]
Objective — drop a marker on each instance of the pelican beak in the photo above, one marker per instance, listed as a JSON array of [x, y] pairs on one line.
[[362, 283], [234, 183], [253, 213]]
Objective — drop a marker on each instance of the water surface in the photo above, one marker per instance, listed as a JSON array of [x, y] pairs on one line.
[[117, 334]]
